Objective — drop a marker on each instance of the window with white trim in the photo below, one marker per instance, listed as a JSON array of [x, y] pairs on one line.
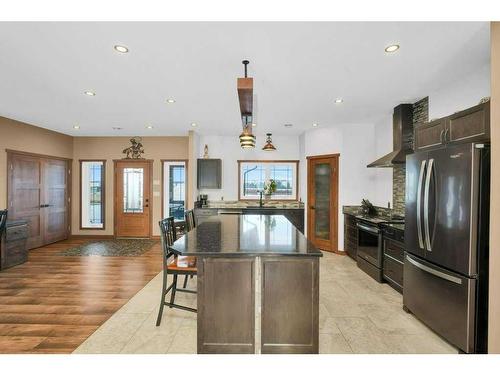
[[256, 175]]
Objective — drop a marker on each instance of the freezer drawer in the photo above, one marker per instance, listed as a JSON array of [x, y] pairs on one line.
[[443, 300]]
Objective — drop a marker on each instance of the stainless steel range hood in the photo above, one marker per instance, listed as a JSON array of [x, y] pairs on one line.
[[402, 131]]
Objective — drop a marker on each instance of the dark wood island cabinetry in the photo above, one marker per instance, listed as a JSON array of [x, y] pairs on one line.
[[258, 285]]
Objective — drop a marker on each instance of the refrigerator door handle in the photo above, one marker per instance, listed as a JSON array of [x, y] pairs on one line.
[[434, 272], [426, 205], [419, 203]]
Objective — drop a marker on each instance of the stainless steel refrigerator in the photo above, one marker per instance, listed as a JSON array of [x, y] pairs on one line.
[[446, 242]]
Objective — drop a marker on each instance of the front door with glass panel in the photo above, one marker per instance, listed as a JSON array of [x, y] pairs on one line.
[[132, 198], [322, 195]]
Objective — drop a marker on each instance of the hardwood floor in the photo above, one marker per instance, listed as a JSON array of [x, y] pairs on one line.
[[52, 303]]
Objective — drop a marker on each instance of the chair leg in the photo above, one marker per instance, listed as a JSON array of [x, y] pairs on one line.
[[174, 289], [185, 282], [162, 302]]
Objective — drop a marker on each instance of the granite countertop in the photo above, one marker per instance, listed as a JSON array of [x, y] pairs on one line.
[[244, 235], [254, 205], [383, 215], [400, 227]]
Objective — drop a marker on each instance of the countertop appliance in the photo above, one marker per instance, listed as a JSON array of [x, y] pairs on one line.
[[446, 241], [203, 199], [369, 250]]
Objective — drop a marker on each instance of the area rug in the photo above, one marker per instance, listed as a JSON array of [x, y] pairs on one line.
[[111, 248]]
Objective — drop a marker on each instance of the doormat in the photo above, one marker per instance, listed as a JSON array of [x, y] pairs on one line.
[[111, 248]]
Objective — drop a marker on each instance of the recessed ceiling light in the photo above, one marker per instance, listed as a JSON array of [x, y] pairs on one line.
[[254, 124], [315, 125], [76, 127], [288, 125], [89, 93], [193, 124], [339, 100], [121, 49], [392, 48], [170, 101], [149, 126], [117, 128]]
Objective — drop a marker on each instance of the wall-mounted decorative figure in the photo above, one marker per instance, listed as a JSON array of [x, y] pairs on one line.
[[134, 151], [205, 154]]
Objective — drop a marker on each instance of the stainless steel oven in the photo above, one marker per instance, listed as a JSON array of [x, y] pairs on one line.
[[370, 243]]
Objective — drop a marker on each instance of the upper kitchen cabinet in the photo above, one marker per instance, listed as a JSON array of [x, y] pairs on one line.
[[429, 134], [209, 173], [470, 125]]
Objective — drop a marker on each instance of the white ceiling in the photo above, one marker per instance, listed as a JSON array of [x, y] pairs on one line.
[[298, 69]]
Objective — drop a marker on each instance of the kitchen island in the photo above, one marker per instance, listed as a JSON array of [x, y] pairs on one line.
[[258, 285]]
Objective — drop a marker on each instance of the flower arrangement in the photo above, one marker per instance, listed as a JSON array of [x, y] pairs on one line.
[[269, 187]]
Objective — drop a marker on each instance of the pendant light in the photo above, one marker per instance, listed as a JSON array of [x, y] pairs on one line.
[[247, 139], [269, 143], [245, 96]]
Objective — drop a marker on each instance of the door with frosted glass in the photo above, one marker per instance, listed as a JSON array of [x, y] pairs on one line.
[[322, 207], [132, 198]]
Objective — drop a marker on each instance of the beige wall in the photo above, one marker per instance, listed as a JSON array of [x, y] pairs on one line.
[[110, 148], [494, 313], [19, 136]]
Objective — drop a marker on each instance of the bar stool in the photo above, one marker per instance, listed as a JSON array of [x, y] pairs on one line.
[[173, 265], [190, 221]]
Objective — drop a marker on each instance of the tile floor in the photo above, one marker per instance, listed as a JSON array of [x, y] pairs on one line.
[[357, 315]]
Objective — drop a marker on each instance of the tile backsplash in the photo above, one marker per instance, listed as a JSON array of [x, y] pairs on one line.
[[420, 114]]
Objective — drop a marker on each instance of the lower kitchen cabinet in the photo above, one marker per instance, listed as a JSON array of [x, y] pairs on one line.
[[350, 236], [294, 215], [393, 262]]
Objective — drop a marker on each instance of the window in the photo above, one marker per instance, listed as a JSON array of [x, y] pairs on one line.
[[254, 175], [92, 174], [174, 189]]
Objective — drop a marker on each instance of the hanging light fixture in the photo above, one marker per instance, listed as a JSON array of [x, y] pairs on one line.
[[269, 143], [245, 96], [247, 139]]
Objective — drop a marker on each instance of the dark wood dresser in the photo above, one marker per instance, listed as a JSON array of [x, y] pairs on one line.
[[13, 246]]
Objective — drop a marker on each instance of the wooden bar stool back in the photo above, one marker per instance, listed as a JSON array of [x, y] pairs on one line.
[[173, 265]]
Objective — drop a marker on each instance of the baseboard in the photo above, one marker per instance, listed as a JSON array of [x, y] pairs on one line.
[[338, 252]]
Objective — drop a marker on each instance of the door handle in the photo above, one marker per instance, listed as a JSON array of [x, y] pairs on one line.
[[368, 229], [426, 205], [312, 207], [419, 203], [434, 272]]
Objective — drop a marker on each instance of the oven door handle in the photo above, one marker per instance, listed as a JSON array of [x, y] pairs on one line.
[[368, 229]]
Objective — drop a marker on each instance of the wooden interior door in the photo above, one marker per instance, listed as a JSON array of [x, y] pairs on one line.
[[38, 192], [132, 198], [322, 201], [25, 194], [55, 202]]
